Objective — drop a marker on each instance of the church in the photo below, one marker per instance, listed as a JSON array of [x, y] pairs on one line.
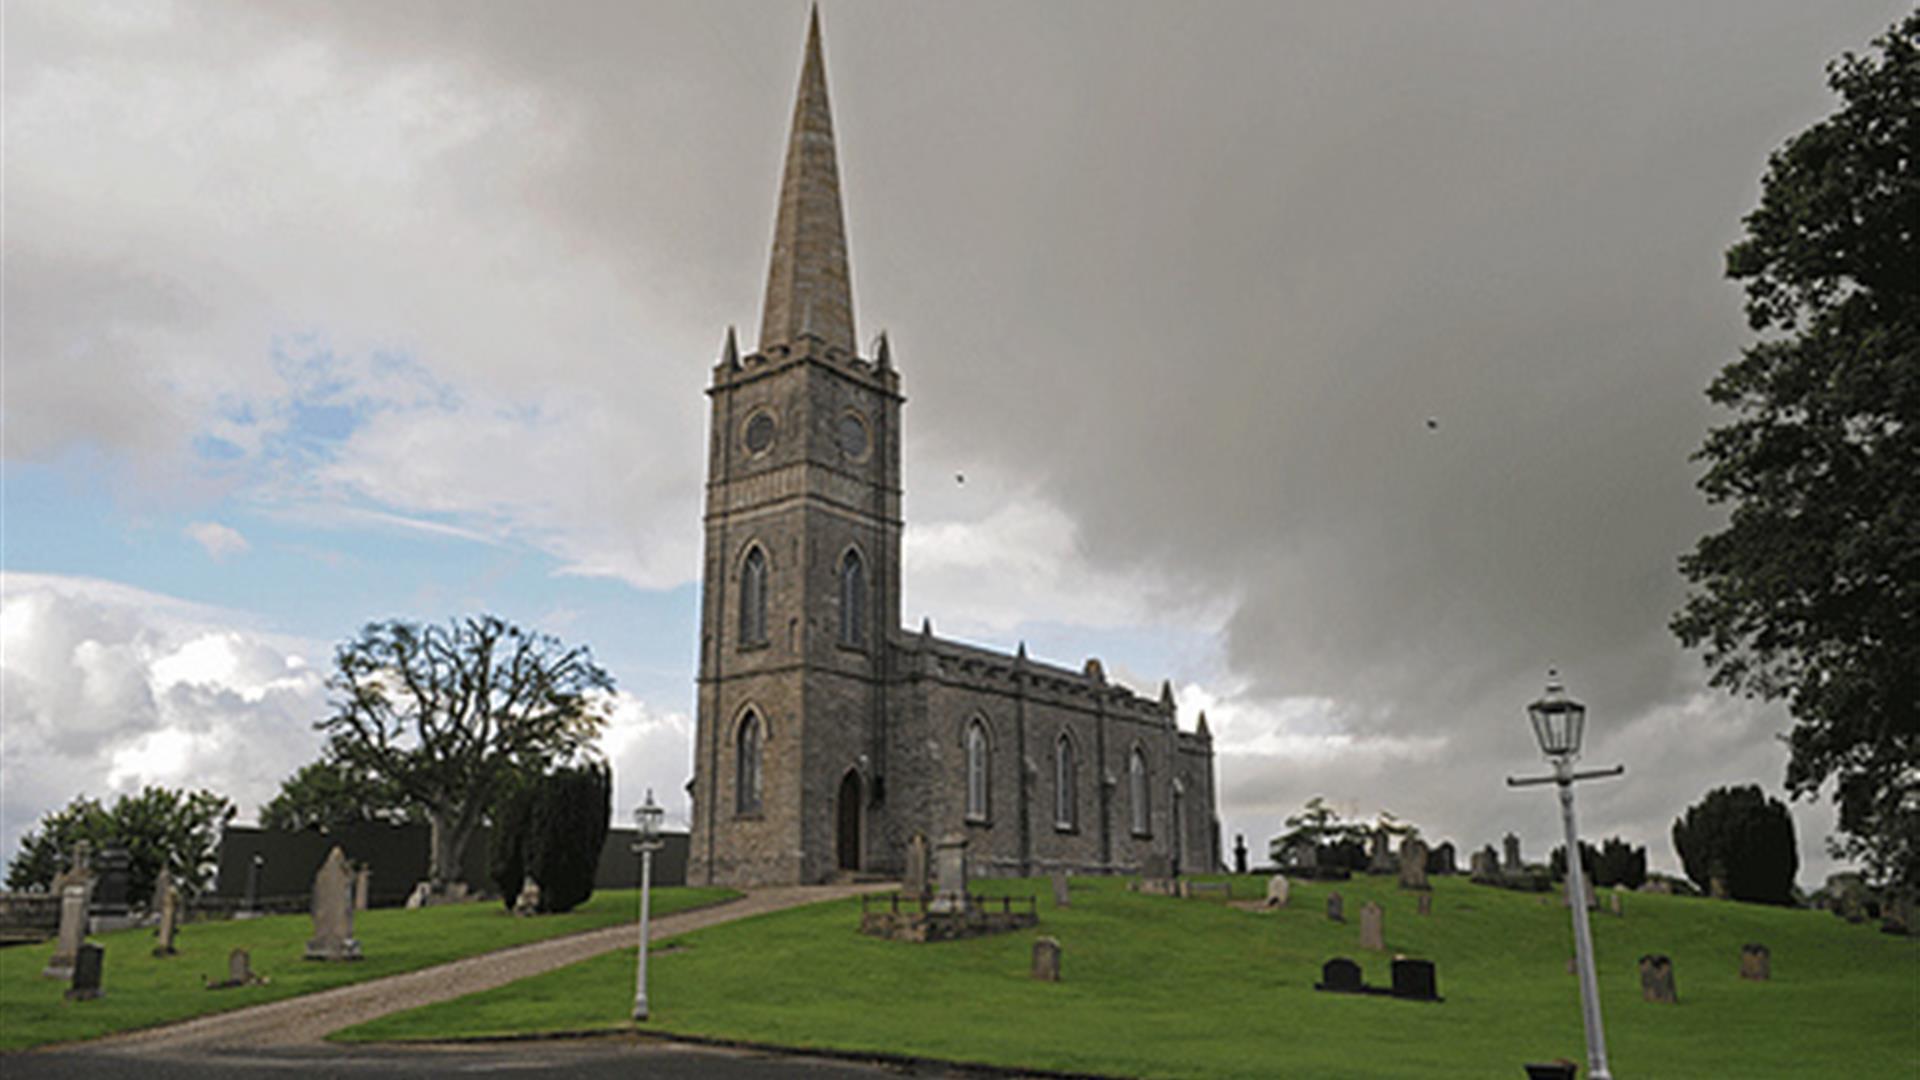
[[829, 736]]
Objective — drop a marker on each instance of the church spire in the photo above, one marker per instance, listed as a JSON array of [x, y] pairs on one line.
[[809, 289]]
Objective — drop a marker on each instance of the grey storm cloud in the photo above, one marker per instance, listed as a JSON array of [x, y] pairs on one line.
[[1198, 275]]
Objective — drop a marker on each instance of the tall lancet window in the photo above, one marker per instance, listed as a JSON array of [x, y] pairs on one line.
[[753, 598], [976, 771], [1137, 792], [746, 765], [853, 600], [1063, 791]]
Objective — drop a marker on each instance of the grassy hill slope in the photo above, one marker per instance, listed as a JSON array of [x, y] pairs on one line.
[[1162, 987]]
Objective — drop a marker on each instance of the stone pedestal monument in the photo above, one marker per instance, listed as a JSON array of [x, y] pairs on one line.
[[950, 874]]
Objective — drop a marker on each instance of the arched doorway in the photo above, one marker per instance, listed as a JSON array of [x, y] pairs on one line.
[[847, 841]]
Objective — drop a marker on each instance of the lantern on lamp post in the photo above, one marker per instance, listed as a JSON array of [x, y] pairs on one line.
[[1559, 723], [647, 817]]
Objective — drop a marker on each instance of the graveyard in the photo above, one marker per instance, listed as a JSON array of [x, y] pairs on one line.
[[1161, 986], [140, 989]]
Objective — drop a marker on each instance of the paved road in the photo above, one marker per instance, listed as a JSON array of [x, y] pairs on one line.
[[593, 1059], [305, 1021]]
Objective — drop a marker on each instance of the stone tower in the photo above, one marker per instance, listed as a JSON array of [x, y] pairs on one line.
[[800, 585]]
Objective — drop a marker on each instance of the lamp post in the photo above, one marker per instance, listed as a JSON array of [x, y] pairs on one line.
[[647, 816], [1558, 724]]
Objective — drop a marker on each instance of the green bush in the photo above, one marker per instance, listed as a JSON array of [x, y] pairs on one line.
[[1743, 837]]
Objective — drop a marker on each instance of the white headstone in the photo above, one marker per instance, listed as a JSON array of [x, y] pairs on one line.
[[950, 871], [1279, 889], [333, 911]]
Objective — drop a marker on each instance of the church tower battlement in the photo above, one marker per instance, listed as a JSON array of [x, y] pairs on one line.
[[827, 737]]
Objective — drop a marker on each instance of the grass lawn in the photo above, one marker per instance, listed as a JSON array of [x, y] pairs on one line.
[[142, 990], [1161, 987]]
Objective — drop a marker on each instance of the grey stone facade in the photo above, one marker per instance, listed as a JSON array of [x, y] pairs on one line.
[[827, 735]]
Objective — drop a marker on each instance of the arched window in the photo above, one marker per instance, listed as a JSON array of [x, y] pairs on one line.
[[977, 771], [746, 765], [1063, 792], [753, 597], [1137, 791], [853, 600]]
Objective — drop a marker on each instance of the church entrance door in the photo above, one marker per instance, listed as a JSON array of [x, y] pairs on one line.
[[848, 840]]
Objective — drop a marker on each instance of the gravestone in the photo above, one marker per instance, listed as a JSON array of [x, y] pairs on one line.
[[1756, 963], [914, 882], [73, 931], [1157, 864], [1441, 861], [1239, 853], [239, 972], [1426, 903], [1046, 959], [1484, 867], [362, 888], [1656, 979], [1279, 890], [112, 874], [1340, 975], [1586, 882], [1511, 846], [333, 911], [950, 872], [1335, 910], [79, 870], [1413, 863], [1380, 856], [1415, 980], [1372, 933], [1614, 901], [166, 902], [528, 901], [86, 973], [1060, 897], [254, 865]]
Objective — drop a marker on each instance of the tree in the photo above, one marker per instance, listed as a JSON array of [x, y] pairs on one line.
[[1812, 591], [329, 794], [1319, 825], [1615, 862], [566, 830], [1742, 837], [551, 828], [158, 827], [446, 714]]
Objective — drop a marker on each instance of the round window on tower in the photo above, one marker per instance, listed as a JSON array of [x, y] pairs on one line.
[[853, 436], [759, 433]]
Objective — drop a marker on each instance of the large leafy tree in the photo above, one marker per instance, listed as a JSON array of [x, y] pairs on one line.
[[158, 827], [1743, 838], [1811, 593], [328, 794], [448, 714]]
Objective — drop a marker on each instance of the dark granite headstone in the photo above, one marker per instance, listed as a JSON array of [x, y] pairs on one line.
[[86, 973], [1340, 975], [110, 894], [1441, 860], [1415, 979], [1656, 979]]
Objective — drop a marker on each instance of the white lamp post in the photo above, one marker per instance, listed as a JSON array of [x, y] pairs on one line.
[[647, 816], [1558, 723]]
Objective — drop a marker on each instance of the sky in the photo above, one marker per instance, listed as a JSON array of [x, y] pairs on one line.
[[317, 314]]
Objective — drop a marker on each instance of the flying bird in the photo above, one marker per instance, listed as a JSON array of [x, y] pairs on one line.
[[1433, 423], [959, 478]]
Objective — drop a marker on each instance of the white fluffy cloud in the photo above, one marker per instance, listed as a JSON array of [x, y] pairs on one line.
[[108, 688]]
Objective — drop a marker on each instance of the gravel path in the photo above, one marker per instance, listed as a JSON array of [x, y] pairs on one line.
[[307, 1020]]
